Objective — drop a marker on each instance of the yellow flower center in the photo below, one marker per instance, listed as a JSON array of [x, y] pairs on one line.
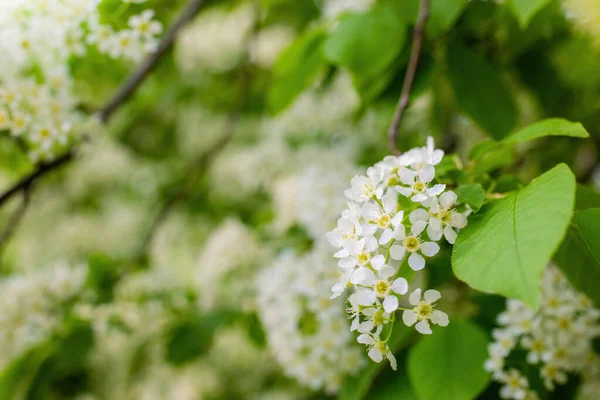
[[363, 257], [382, 288], [378, 318], [411, 244], [383, 221], [423, 310], [419, 186]]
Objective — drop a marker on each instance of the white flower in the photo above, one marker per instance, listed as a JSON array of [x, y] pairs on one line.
[[143, 25], [413, 245], [379, 287], [364, 188], [417, 188], [378, 349], [358, 252], [424, 311], [441, 217], [515, 385]]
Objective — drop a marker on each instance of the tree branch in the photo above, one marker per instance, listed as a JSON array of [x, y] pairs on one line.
[[394, 129], [142, 72], [124, 92], [16, 217]]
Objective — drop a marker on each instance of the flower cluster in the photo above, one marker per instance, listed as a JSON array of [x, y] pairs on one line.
[[38, 41], [395, 212], [557, 338], [33, 307], [308, 334]]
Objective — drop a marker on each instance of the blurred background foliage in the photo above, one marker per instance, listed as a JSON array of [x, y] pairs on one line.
[[166, 309]]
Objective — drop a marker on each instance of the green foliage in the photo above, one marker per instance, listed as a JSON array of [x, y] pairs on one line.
[[442, 15], [548, 127], [103, 273], [524, 10], [380, 34], [480, 91], [579, 255], [193, 337], [296, 68], [472, 194], [17, 375], [506, 246], [357, 387], [448, 364]]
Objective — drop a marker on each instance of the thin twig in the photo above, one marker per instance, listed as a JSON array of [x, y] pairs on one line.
[[16, 217], [123, 93], [199, 166], [134, 81], [394, 129]]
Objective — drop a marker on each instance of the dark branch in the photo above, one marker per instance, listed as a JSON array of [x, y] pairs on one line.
[[124, 92], [135, 80], [16, 217], [41, 170], [394, 129]]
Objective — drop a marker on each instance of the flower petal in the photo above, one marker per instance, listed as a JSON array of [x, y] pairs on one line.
[[423, 327], [375, 355], [450, 234], [363, 276], [416, 261], [390, 304], [426, 173], [365, 339], [440, 318], [397, 252], [432, 295], [430, 249], [400, 286], [415, 297], [448, 199], [409, 317], [378, 261], [386, 236], [393, 363], [418, 227], [387, 271]]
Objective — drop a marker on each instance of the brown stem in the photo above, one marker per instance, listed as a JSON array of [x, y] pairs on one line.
[[394, 129], [16, 217]]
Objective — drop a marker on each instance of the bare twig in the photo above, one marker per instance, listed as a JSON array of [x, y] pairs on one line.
[[199, 166], [409, 78], [124, 92], [140, 74], [16, 217]]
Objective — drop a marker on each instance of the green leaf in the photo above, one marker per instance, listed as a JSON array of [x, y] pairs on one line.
[[548, 127], [508, 243], [399, 388], [442, 16], [586, 198], [449, 363], [356, 387], [103, 274], [524, 10], [295, 69], [472, 194], [17, 375], [366, 44], [480, 91], [579, 255], [193, 338]]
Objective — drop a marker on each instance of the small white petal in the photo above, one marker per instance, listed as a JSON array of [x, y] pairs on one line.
[[347, 263], [399, 232], [432, 295], [406, 176], [400, 286], [430, 249], [436, 189], [354, 325], [392, 359], [448, 199], [365, 339], [415, 297], [420, 214], [458, 220], [435, 224], [440, 318], [433, 234], [365, 297], [416, 261], [366, 326], [363, 276], [387, 271], [334, 239], [397, 220], [386, 236], [409, 317], [375, 355], [390, 304], [351, 245], [378, 261], [419, 198], [450, 234], [423, 327], [426, 173], [418, 227], [397, 252], [404, 191]]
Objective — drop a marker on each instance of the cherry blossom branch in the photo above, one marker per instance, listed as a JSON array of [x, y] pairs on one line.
[[16, 217], [125, 91], [394, 129], [142, 72]]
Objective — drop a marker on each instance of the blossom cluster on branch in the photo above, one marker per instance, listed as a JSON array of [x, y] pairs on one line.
[[557, 339], [396, 211], [39, 40]]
